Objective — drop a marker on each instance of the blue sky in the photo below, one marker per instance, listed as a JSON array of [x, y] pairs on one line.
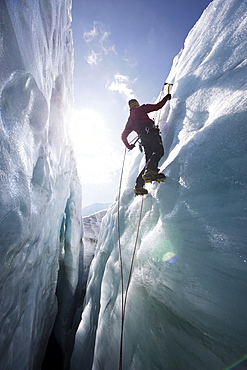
[[123, 49]]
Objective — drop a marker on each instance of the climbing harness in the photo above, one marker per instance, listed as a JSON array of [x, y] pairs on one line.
[[146, 129], [138, 139], [124, 298]]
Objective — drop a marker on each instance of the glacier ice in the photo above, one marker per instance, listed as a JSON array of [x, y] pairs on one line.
[[91, 226], [40, 196], [187, 301]]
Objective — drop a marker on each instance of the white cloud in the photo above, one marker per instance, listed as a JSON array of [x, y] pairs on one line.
[[120, 84], [93, 58], [132, 62], [121, 78], [105, 35], [109, 49], [99, 39], [90, 35]]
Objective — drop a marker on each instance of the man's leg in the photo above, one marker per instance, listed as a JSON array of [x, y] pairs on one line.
[[157, 152], [148, 153], [140, 182], [152, 172]]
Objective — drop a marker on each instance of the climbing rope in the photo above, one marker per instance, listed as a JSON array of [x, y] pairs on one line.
[[133, 256], [124, 299], [127, 289], [118, 218]]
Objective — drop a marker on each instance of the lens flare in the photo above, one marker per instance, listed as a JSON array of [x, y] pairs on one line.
[[237, 363], [169, 258]]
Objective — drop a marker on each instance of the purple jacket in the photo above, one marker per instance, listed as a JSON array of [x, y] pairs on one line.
[[138, 119]]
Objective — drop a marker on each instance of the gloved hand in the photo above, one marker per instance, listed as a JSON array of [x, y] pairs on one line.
[[168, 96], [131, 146]]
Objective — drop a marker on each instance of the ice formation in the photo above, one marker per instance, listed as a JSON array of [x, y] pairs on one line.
[[40, 196], [91, 227], [187, 301]]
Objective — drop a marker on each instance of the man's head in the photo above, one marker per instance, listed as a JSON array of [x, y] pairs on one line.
[[133, 103]]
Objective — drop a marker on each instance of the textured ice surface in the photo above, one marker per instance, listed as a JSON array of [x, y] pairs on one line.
[[187, 300], [40, 205], [91, 227]]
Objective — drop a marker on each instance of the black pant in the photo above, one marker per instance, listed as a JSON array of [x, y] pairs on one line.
[[153, 149]]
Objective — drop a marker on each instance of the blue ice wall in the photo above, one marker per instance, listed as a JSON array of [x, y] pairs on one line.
[[187, 300]]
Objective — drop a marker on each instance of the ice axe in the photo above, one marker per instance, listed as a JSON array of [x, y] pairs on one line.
[[168, 87]]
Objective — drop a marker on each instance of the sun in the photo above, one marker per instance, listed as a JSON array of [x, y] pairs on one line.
[[95, 158]]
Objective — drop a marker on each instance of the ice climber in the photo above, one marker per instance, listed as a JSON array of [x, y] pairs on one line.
[[151, 141]]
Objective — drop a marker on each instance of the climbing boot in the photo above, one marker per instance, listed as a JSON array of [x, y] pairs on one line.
[[139, 190], [153, 175]]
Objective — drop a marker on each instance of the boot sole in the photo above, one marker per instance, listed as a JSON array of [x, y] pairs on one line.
[[154, 180], [136, 193]]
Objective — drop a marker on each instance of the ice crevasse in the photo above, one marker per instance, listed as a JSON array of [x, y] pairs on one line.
[[40, 195], [187, 300]]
